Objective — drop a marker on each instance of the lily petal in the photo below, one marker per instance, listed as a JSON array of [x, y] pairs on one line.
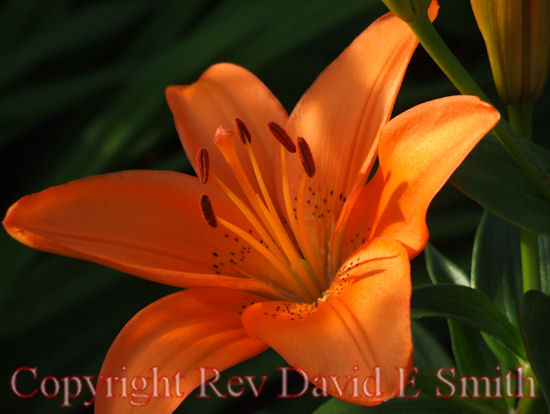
[[342, 113], [181, 333], [418, 152], [146, 223], [225, 92], [362, 323]]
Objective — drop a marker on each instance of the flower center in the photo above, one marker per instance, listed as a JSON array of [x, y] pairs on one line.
[[280, 236]]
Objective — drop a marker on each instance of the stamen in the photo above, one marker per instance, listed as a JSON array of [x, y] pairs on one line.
[[268, 215], [306, 157], [225, 142], [283, 252], [343, 217], [256, 223], [203, 164], [281, 135], [286, 195], [243, 131], [289, 280], [303, 238], [297, 230], [271, 215], [208, 211], [310, 282]]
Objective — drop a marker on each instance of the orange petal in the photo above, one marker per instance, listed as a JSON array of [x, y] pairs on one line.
[[362, 323], [181, 333], [342, 113], [146, 223], [223, 93], [418, 152]]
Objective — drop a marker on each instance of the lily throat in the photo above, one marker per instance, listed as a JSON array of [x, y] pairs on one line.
[[290, 227]]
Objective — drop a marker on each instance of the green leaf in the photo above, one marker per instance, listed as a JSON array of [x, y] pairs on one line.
[[472, 355], [490, 176], [429, 384], [423, 404], [470, 352], [442, 270], [544, 257], [535, 326], [469, 306], [453, 222], [496, 264], [429, 355], [475, 354], [496, 271]]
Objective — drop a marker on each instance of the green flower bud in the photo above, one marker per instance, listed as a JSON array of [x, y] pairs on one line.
[[517, 35]]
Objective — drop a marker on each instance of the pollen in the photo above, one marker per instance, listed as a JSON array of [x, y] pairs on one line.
[[208, 211], [243, 131], [277, 233], [306, 157], [203, 164], [282, 136]]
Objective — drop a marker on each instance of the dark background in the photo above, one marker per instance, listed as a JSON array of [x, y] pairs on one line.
[[82, 92]]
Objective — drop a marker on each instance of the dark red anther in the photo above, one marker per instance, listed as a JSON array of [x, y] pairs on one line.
[[281, 135], [306, 157], [243, 131], [208, 211], [203, 164]]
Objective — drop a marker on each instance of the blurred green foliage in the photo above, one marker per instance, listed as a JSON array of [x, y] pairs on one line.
[[82, 92]]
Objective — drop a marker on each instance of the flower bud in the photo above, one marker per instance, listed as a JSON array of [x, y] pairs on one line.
[[516, 34], [407, 10]]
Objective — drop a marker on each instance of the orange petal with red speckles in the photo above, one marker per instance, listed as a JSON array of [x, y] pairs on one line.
[[362, 323], [146, 223]]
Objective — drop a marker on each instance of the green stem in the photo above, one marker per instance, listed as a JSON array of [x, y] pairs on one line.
[[529, 244], [459, 76], [528, 405], [521, 121]]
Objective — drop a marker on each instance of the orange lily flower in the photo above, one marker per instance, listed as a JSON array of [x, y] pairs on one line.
[[280, 240]]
